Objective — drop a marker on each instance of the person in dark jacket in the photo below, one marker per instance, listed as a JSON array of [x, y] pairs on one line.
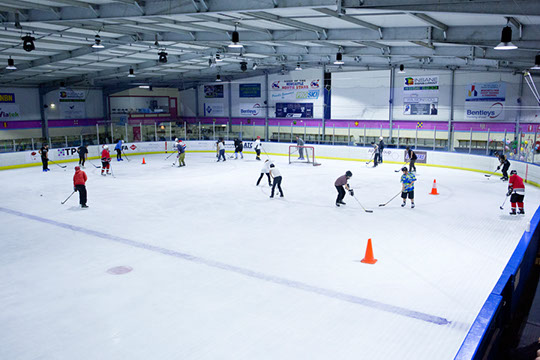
[[341, 184], [505, 166], [411, 155], [44, 151], [79, 184], [238, 148], [83, 153], [381, 148], [118, 149]]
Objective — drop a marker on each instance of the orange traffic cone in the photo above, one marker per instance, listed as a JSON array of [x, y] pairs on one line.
[[434, 188], [143, 162], [369, 259]]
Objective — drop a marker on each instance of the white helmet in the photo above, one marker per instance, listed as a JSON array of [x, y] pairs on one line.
[[105, 146], [176, 140], [380, 137]]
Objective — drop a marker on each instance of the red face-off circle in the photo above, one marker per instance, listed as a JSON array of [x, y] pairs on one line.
[[119, 270]]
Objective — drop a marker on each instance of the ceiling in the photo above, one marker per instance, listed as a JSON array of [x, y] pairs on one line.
[[276, 35]]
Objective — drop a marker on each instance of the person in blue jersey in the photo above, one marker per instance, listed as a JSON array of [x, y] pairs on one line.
[[118, 149], [407, 188], [181, 147]]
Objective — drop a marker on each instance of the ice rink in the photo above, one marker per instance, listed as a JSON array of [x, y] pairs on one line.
[[221, 271]]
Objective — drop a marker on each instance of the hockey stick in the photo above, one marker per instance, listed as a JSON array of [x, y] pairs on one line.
[[489, 175], [268, 156], [371, 159], [63, 202], [97, 167], [125, 155], [171, 154], [366, 210], [398, 170], [63, 167], [504, 202], [110, 167], [386, 203]]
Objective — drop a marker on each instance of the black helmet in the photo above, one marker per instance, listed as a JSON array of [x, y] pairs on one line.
[[408, 148], [348, 173], [404, 169], [272, 165], [513, 172]]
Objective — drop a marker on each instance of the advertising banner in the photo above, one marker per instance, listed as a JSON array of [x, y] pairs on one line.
[[213, 91], [72, 104], [250, 109], [294, 110], [8, 109], [250, 90], [214, 109], [421, 157], [297, 89], [485, 101], [421, 95]]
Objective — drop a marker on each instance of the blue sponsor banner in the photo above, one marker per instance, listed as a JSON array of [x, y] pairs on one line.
[[7, 98], [294, 110], [250, 90]]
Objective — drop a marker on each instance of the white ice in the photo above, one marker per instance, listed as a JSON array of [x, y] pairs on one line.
[[221, 271]]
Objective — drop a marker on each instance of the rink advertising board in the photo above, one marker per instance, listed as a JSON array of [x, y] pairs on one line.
[[421, 155]]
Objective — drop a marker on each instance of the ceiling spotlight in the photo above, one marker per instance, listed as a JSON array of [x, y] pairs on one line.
[[162, 56], [131, 73], [298, 67], [255, 66], [218, 78], [339, 59], [401, 69], [536, 63], [243, 66], [11, 64], [144, 86], [156, 42], [506, 40], [97, 43], [28, 43], [219, 57], [235, 41]]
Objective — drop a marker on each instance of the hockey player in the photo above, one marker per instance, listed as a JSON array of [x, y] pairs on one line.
[[44, 151], [412, 159], [375, 154], [274, 172], [238, 148], [407, 188], [265, 170], [516, 191], [505, 166], [118, 149], [381, 148], [300, 142], [257, 146], [105, 160], [181, 147], [341, 184], [83, 153], [79, 181], [221, 150]]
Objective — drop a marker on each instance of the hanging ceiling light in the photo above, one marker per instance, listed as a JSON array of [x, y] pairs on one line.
[[28, 43], [506, 40], [162, 56], [298, 67], [131, 73], [212, 62], [218, 78], [401, 69], [219, 57], [235, 41], [255, 66], [536, 63], [97, 43], [11, 64], [243, 66], [339, 59]]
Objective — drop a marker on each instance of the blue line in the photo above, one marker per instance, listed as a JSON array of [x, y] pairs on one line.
[[246, 272]]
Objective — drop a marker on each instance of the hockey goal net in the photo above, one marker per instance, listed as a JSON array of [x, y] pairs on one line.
[[303, 154]]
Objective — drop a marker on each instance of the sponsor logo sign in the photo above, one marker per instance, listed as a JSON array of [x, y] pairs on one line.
[[213, 91], [485, 101], [421, 157], [7, 98], [214, 109], [421, 95], [250, 109], [250, 90]]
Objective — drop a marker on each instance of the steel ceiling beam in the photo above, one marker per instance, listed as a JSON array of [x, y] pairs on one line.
[[232, 23], [286, 21], [350, 19], [430, 21]]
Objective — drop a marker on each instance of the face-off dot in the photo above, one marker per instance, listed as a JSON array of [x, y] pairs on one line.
[[119, 270]]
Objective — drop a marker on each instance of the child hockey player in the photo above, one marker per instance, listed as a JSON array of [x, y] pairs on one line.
[[516, 191], [412, 158], [375, 154], [105, 160], [79, 181], [257, 146], [505, 166], [181, 147], [118, 149], [341, 184], [265, 170], [221, 150], [407, 189], [238, 148], [274, 172]]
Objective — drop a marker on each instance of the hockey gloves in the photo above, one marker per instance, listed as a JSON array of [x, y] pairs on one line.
[[74, 188], [509, 192], [498, 167], [351, 192]]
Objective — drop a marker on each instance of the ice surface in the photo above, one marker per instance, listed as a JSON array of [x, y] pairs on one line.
[[221, 271]]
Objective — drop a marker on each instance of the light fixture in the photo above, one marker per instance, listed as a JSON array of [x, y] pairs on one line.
[[131, 73], [219, 57], [28, 43], [243, 66], [255, 66], [298, 67], [401, 69], [212, 62], [506, 40], [144, 86], [235, 39], [97, 43], [162, 56], [11, 64], [218, 78], [53, 106], [339, 59], [536, 63]]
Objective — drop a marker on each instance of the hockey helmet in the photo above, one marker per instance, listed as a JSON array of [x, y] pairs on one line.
[[105, 146], [513, 172], [272, 165], [380, 137], [77, 168], [176, 139], [258, 137], [404, 169], [348, 173]]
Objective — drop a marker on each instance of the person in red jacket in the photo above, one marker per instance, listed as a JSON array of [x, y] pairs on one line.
[[79, 181], [516, 191], [105, 160]]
